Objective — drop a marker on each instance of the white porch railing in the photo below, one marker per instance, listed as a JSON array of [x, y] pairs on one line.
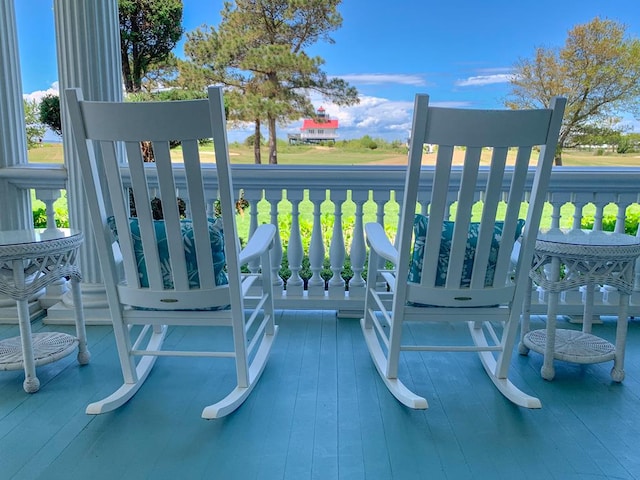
[[298, 198]]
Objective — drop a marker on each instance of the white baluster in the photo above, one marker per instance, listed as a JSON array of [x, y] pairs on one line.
[[316, 246], [274, 197], [58, 288], [610, 294], [336, 250], [358, 253], [381, 197], [579, 201], [295, 284], [48, 197], [623, 202], [557, 200], [253, 196]]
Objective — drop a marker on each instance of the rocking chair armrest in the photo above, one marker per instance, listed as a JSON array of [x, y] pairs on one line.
[[260, 242], [379, 242]]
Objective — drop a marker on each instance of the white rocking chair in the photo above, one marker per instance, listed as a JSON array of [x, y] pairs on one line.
[[461, 271], [173, 271]]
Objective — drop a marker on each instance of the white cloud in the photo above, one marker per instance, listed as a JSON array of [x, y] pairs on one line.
[[37, 95], [373, 116], [484, 80], [384, 78]]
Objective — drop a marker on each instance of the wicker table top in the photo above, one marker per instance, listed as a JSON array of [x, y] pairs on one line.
[[588, 243], [16, 244], [589, 256]]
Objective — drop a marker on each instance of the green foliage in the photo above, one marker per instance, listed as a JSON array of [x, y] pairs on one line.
[[597, 69], [259, 52], [631, 222], [149, 30], [368, 143], [166, 95], [61, 217], [34, 129], [250, 140], [624, 145], [50, 113], [39, 217]]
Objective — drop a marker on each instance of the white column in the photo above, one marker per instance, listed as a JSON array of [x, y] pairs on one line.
[[88, 47], [16, 203]]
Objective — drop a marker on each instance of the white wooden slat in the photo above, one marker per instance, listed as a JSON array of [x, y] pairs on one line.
[[120, 206], [466, 196], [491, 199], [171, 215], [191, 158], [144, 214], [514, 199], [438, 212]]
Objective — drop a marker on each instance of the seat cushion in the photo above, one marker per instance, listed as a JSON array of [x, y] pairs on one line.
[[420, 232], [216, 239]]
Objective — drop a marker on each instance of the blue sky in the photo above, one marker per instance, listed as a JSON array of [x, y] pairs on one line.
[[460, 52]]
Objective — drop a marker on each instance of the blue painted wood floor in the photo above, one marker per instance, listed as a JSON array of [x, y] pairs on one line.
[[321, 412]]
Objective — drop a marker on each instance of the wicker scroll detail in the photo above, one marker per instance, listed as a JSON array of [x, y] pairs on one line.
[[585, 264]]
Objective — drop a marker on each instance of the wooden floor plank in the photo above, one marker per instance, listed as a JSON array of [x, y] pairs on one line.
[[321, 411]]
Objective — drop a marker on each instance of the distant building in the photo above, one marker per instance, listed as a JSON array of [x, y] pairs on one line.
[[316, 130]]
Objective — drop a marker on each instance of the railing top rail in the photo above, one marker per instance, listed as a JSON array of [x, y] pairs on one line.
[[622, 180], [36, 175]]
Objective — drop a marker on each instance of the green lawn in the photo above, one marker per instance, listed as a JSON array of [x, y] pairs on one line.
[[302, 154]]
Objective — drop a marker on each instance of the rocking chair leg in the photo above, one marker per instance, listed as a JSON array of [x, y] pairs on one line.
[[239, 394], [128, 390]]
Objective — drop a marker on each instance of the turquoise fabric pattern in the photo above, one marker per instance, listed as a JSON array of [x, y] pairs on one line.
[[217, 251], [420, 232]]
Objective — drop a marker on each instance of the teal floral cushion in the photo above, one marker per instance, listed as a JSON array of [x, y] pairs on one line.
[[420, 232], [217, 251]]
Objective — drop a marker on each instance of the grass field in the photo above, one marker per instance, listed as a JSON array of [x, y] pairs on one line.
[[310, 155]]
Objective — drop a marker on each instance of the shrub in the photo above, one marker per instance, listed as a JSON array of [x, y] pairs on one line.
[[609, 223], [250, 140]]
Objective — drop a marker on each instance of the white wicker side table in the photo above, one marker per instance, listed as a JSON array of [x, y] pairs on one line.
[[29, 261], [575, 258]]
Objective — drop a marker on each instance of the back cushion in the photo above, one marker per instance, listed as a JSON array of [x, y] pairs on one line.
[[216, 239], [420, 224]]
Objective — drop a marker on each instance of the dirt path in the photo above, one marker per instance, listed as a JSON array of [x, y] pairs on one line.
[[427, 159]]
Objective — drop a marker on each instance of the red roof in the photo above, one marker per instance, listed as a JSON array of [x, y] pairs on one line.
[[309, 123]]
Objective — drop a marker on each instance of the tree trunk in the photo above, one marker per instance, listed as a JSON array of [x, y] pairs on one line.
[[273, 152], [126, 69], [256, 143], [558, 159]]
